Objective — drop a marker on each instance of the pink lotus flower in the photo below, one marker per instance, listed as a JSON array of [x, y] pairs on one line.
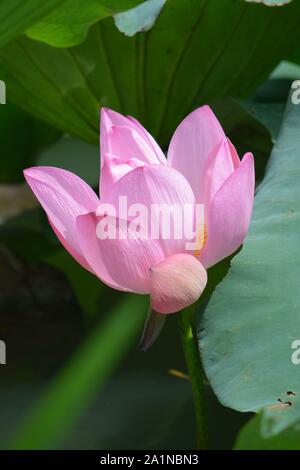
[[202, 167]]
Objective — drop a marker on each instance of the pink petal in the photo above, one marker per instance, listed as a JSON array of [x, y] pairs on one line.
[[75, 254], [156, 148], [234, 155], [110, 118], [63, 196], [156, 184], [176, 283], [126, 143], [229, 214], [113, 169], [121, 263], [193, 144], [219, 169]]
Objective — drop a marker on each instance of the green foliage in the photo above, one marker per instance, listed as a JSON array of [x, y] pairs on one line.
[[69, 24], [58, 22], [81, 379], [158, 76], [74, 155], [94, 297], [38, 314], [17, 15], [251, 127], [22, 139], [29, 235], [252, 318], [250, 437], [71, 61]]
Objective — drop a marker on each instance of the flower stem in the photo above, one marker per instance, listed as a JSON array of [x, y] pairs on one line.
[[193, 362]]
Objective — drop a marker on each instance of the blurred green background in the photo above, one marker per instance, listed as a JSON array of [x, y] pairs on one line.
[[74, 378]]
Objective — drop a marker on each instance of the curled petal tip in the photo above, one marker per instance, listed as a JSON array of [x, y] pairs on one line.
[[176, 283]]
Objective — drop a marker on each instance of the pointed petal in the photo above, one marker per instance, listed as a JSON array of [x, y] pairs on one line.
[[220, 168], [110, 118], [176, 283], [63, 196], [229, 214], [193, 144], [156, 148], [153, 327], [234, 155], [122, 262], [126, 143]]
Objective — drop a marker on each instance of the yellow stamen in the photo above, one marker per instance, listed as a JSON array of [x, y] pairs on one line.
[[201, 238]]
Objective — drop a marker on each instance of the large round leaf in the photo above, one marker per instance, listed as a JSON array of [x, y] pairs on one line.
[[198, 50], [253, 316]]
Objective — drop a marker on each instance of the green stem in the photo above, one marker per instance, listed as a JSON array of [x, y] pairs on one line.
[[193, 362]]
